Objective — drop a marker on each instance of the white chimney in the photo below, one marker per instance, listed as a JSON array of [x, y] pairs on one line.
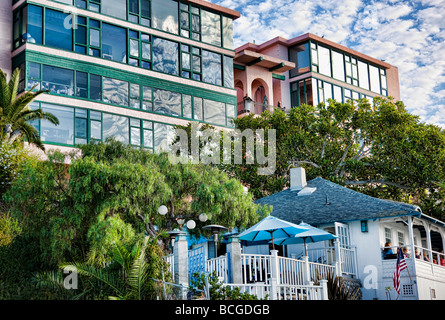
[[297, 178]]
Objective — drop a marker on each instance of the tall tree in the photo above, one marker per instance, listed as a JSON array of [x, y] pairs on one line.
[[15, 113], [379, 149], [112, 195]]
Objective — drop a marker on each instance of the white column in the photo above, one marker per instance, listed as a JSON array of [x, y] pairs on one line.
[[337, 257], [324, 289], [306, 270], [181, 262], [234, 251], [275, 274], [411, 237], [428, 241]]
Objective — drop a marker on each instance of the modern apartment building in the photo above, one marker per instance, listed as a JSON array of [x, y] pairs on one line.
[[131, 69], [307, 69]]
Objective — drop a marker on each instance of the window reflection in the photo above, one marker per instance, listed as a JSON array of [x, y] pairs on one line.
[[165, 15], [116, 126], [300, 56], [167, 102], [115, 8], [56, 35], [58, 80], [211, 27], [62, 133], [214, 112], [211, 67], [165, 56], [114, 43], [115, 91]]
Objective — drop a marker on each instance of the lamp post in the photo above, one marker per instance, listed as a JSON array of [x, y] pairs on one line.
[[215, 229]]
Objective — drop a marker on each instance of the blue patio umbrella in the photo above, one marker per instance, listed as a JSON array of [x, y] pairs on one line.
[[313, 234], [270, 228]]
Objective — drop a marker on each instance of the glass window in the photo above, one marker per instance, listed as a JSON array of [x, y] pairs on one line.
[[148, 138], [115, 91], [338, 96], [164, 135], [96, 129], [211, 27], [315, 92], [338, 66], [114, 43], [56, 35], [95, 87], [324, 61], [300, 56], [81, 84], [215, 112], [363, 75], [327, 91], [231, 114], [62, 133], [167, 102], [58, 80], [147, 98], [94, 37], [165, 15], [187, 106], [115, 8], [227, 32], [197, 108], [35, 29], [374, 77], [81, 128], [211, 67], [165, 56], [116, 126], [34, 71], [228, 72]]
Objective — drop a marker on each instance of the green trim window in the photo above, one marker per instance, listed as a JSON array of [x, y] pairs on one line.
[[300, 55], [347, 68], [91, 5], [139, 45], [302, 92], [93, 87], [95, 38], [190, 21]]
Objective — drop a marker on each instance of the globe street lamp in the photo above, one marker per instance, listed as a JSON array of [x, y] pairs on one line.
[[215, 229]]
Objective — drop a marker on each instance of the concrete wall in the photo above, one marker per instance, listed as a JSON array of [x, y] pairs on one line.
[[5, 36]]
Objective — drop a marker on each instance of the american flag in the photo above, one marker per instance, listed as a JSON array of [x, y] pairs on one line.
[[401, 265]]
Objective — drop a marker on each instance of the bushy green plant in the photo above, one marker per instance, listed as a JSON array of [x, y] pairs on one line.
[[216, 288]]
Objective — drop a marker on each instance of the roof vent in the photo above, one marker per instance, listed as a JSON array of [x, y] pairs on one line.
[[297, 178]]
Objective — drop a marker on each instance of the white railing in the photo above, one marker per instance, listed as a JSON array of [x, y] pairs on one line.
[[320, 271], [291, 271], [348, 261], [309, 292], [283, 292], [220, 266], [260, 290], [255, 267]]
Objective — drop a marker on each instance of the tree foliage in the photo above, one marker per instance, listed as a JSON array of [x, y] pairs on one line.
[[15, 113], [111, 195], [380, 150]]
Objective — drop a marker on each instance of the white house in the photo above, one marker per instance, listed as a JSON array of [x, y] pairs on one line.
[[364, 224]]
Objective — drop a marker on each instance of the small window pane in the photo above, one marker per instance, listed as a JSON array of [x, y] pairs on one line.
[[94, 38], [96, 130]]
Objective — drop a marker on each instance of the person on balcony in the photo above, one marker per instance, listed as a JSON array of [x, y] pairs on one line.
[[387, 251]]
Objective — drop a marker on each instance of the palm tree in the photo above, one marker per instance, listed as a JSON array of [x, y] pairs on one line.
[[15, 113]]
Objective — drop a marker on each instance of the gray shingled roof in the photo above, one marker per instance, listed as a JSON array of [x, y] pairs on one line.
[[343, 205]]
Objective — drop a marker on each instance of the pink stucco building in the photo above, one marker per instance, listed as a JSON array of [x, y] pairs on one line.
[[307, 69]]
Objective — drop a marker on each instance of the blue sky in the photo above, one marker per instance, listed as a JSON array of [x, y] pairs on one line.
[[407, 34]]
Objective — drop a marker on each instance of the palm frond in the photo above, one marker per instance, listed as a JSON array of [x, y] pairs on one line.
[[99, 274]]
